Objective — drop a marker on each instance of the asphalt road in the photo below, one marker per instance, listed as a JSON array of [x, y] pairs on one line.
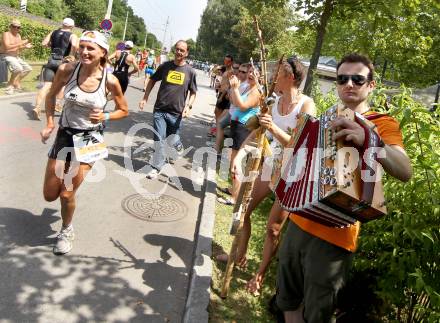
[[132, 255]]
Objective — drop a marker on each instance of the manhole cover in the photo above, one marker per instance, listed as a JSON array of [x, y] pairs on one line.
[[162, 209]]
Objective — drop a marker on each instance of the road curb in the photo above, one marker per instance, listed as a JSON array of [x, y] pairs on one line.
[[196, 307]]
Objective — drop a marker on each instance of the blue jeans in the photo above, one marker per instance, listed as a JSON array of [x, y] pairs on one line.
[[167, 138]]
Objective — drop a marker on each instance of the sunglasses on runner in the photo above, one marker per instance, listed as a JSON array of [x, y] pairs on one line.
[[358, 80], [17, 27], [241, 71]]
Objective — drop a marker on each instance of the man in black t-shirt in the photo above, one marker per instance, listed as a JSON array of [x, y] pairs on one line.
[[177, 79]]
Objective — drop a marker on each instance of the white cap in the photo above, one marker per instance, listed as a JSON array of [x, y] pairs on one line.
[[95, 37], [68, 22], [129, 44]]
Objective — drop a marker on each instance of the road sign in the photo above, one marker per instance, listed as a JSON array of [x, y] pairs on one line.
[[106, 24], [107, 34]]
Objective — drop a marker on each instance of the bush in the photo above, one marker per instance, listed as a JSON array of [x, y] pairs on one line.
[[34, 31], [404, 247], [398, 256]]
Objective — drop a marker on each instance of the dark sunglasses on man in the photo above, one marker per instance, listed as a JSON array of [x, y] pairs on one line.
[[17, 27], [241, 71], [358, 80]]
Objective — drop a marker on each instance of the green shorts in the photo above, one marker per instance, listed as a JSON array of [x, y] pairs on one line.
[[311, 271]]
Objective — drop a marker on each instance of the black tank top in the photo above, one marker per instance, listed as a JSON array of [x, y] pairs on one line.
[[121, 65], [60, 42]]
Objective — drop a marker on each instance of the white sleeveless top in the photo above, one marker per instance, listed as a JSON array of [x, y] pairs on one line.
[[78, 103], [287, 122]]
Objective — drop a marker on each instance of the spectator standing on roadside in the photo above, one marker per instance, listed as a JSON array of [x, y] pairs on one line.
[[10, 49]]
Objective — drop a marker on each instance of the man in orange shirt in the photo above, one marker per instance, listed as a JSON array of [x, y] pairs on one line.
[[314, 259]]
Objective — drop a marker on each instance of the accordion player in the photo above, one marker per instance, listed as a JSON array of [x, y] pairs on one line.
[[328, 181]]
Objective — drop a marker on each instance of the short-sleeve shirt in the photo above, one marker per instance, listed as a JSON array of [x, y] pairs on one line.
[[347, 238], [173, 90]]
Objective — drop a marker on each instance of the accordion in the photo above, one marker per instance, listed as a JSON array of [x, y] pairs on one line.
[[328, 181]]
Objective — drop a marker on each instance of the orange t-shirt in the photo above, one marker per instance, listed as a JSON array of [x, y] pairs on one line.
[[389, 131]]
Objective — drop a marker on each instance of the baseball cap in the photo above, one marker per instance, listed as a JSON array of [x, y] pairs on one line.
[[129, 44], [15, 22], [95, 37], [68, 22]]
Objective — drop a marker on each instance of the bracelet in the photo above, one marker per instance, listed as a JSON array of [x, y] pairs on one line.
[[107, 116]]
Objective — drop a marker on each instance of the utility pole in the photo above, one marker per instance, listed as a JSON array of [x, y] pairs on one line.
[[145, 39], [165, 31], [125, 27], [109, 9]]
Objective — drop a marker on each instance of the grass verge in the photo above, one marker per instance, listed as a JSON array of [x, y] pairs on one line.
[[240, 306], [30, 82]]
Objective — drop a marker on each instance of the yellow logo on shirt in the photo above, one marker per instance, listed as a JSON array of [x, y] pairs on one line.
[[176, 77]]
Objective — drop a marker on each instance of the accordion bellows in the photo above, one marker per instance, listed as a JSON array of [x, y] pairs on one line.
[[329, 181]]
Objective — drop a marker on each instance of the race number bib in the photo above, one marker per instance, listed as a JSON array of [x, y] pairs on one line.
[[89, 147]]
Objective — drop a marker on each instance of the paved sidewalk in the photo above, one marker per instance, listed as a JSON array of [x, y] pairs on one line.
[[133, 257]]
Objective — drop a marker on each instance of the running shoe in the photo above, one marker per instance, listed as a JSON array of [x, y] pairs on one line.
[[153, 173], [64, 241]]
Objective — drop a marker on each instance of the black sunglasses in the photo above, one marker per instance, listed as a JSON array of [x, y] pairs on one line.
[[13, 26], [241, 71], [356, 79]]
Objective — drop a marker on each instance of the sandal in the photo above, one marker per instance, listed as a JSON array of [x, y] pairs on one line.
[[225, 201]]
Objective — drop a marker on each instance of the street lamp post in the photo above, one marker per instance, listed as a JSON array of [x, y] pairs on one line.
[[125, 27], [145, 39], [109, 9]]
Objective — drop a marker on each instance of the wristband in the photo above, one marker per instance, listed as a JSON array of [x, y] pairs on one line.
[[107, 116]]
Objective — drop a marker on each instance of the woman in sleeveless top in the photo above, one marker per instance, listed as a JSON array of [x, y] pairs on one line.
[[80, 126], [245, 106], [280, 125]]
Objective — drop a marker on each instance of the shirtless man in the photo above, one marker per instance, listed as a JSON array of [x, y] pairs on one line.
[[10, 48]]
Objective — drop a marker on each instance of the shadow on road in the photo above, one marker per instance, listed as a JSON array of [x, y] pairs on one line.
[[39, 285]]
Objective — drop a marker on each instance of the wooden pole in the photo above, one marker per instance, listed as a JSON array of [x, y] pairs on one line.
[[252, 170]]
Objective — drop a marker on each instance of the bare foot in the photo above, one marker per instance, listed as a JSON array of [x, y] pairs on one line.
[[242, 263], [254, 285]]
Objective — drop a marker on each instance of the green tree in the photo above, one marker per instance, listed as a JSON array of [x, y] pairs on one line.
[[215, 34], [87, 14], [52, 9]]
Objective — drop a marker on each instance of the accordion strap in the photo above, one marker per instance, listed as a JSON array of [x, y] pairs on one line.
[[372, 139]]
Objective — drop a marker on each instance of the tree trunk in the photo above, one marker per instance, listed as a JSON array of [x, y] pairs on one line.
[[325, 17]]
